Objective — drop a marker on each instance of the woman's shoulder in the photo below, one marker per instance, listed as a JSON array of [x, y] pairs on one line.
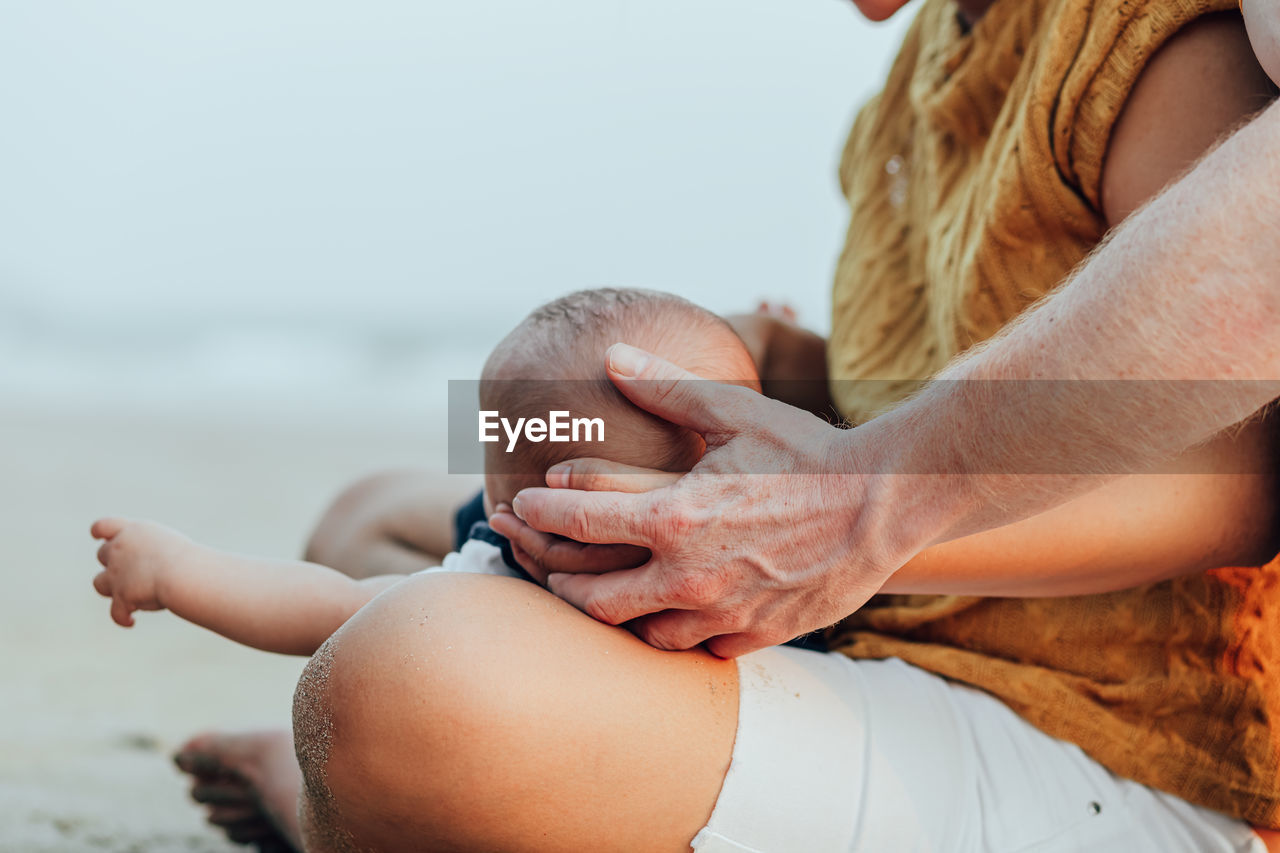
[[1200, 85], [1102, 49]]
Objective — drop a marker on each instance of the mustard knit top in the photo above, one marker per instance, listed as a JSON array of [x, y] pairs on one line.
[[974, 180]]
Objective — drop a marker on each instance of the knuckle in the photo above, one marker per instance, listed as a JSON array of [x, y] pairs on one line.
[[683, 523], [664, 387], [529, 564], [658, 638], [671, 522], [532, 542], [701, 588], [601, 610], [537, 561], [560, 555], [661, 379], [579, 523], [733, 645], [586, 475]]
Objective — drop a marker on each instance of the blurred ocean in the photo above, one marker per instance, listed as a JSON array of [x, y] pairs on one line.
[[248, 211], [232, 369]]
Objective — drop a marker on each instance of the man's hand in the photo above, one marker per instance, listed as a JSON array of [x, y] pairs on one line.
[[754, 546], [135, 557]]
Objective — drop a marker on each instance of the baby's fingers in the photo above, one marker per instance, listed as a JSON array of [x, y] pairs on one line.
[[102, 583], [105, 528], [121, 613]]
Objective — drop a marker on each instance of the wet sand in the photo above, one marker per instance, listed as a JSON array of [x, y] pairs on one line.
[[89, 712]]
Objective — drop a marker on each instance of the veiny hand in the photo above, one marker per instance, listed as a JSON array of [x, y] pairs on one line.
[[135, 557], [770, 536]]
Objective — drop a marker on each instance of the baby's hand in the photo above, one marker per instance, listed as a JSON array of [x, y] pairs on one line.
[[136, 556], [777, 310]]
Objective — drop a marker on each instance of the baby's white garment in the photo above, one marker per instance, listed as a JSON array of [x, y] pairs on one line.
[[476, 557]]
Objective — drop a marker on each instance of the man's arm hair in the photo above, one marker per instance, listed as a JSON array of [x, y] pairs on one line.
[[1184, 296]]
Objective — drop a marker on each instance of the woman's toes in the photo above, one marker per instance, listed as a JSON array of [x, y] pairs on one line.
[[198, 757], [251, 831], [250, 782], [229, 793], [227, 815]]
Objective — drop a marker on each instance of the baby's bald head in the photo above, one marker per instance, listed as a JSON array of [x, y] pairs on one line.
[[555, 361]]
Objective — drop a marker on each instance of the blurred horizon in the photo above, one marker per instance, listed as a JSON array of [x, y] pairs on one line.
[[319, 204]]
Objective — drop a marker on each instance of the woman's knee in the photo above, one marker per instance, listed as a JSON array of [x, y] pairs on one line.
[[471, 710]]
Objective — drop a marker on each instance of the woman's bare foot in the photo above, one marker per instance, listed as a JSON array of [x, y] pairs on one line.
[[250, 782]]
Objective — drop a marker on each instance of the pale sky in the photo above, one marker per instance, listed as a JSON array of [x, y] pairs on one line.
[[440, 165]]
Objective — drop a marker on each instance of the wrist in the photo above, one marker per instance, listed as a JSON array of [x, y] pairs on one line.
[[897, 498], [176, 563]]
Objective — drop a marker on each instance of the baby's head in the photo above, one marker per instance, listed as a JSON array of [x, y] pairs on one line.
[[555, 361]]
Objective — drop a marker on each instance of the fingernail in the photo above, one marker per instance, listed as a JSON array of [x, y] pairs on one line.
[[515, 507], [553, 579], [558, 475], [627, 360]]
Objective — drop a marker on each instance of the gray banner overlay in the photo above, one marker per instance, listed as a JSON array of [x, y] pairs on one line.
[[545, 421]]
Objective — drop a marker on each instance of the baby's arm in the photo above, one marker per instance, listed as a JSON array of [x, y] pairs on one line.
[[791, 360], [1214, 506], [281, 606]]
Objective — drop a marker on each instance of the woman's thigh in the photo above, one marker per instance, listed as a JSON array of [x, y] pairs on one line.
[[481, 713]]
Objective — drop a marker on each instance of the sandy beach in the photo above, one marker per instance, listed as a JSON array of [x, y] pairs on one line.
[[89, 712]]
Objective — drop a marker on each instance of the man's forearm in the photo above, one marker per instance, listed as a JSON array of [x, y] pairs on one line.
[[1187, 289]]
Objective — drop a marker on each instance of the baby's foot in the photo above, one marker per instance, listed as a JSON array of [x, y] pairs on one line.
[[250, 782]]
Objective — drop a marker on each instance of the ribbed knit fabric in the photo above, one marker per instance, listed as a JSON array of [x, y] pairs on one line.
[[974, 180]]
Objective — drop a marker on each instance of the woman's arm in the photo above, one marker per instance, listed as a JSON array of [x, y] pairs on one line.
[[1210, 507], [282, 606]]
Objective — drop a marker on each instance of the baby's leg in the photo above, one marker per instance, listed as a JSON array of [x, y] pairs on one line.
[[395, 522]]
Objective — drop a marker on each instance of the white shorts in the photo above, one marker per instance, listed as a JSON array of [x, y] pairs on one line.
[[834, 755]]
